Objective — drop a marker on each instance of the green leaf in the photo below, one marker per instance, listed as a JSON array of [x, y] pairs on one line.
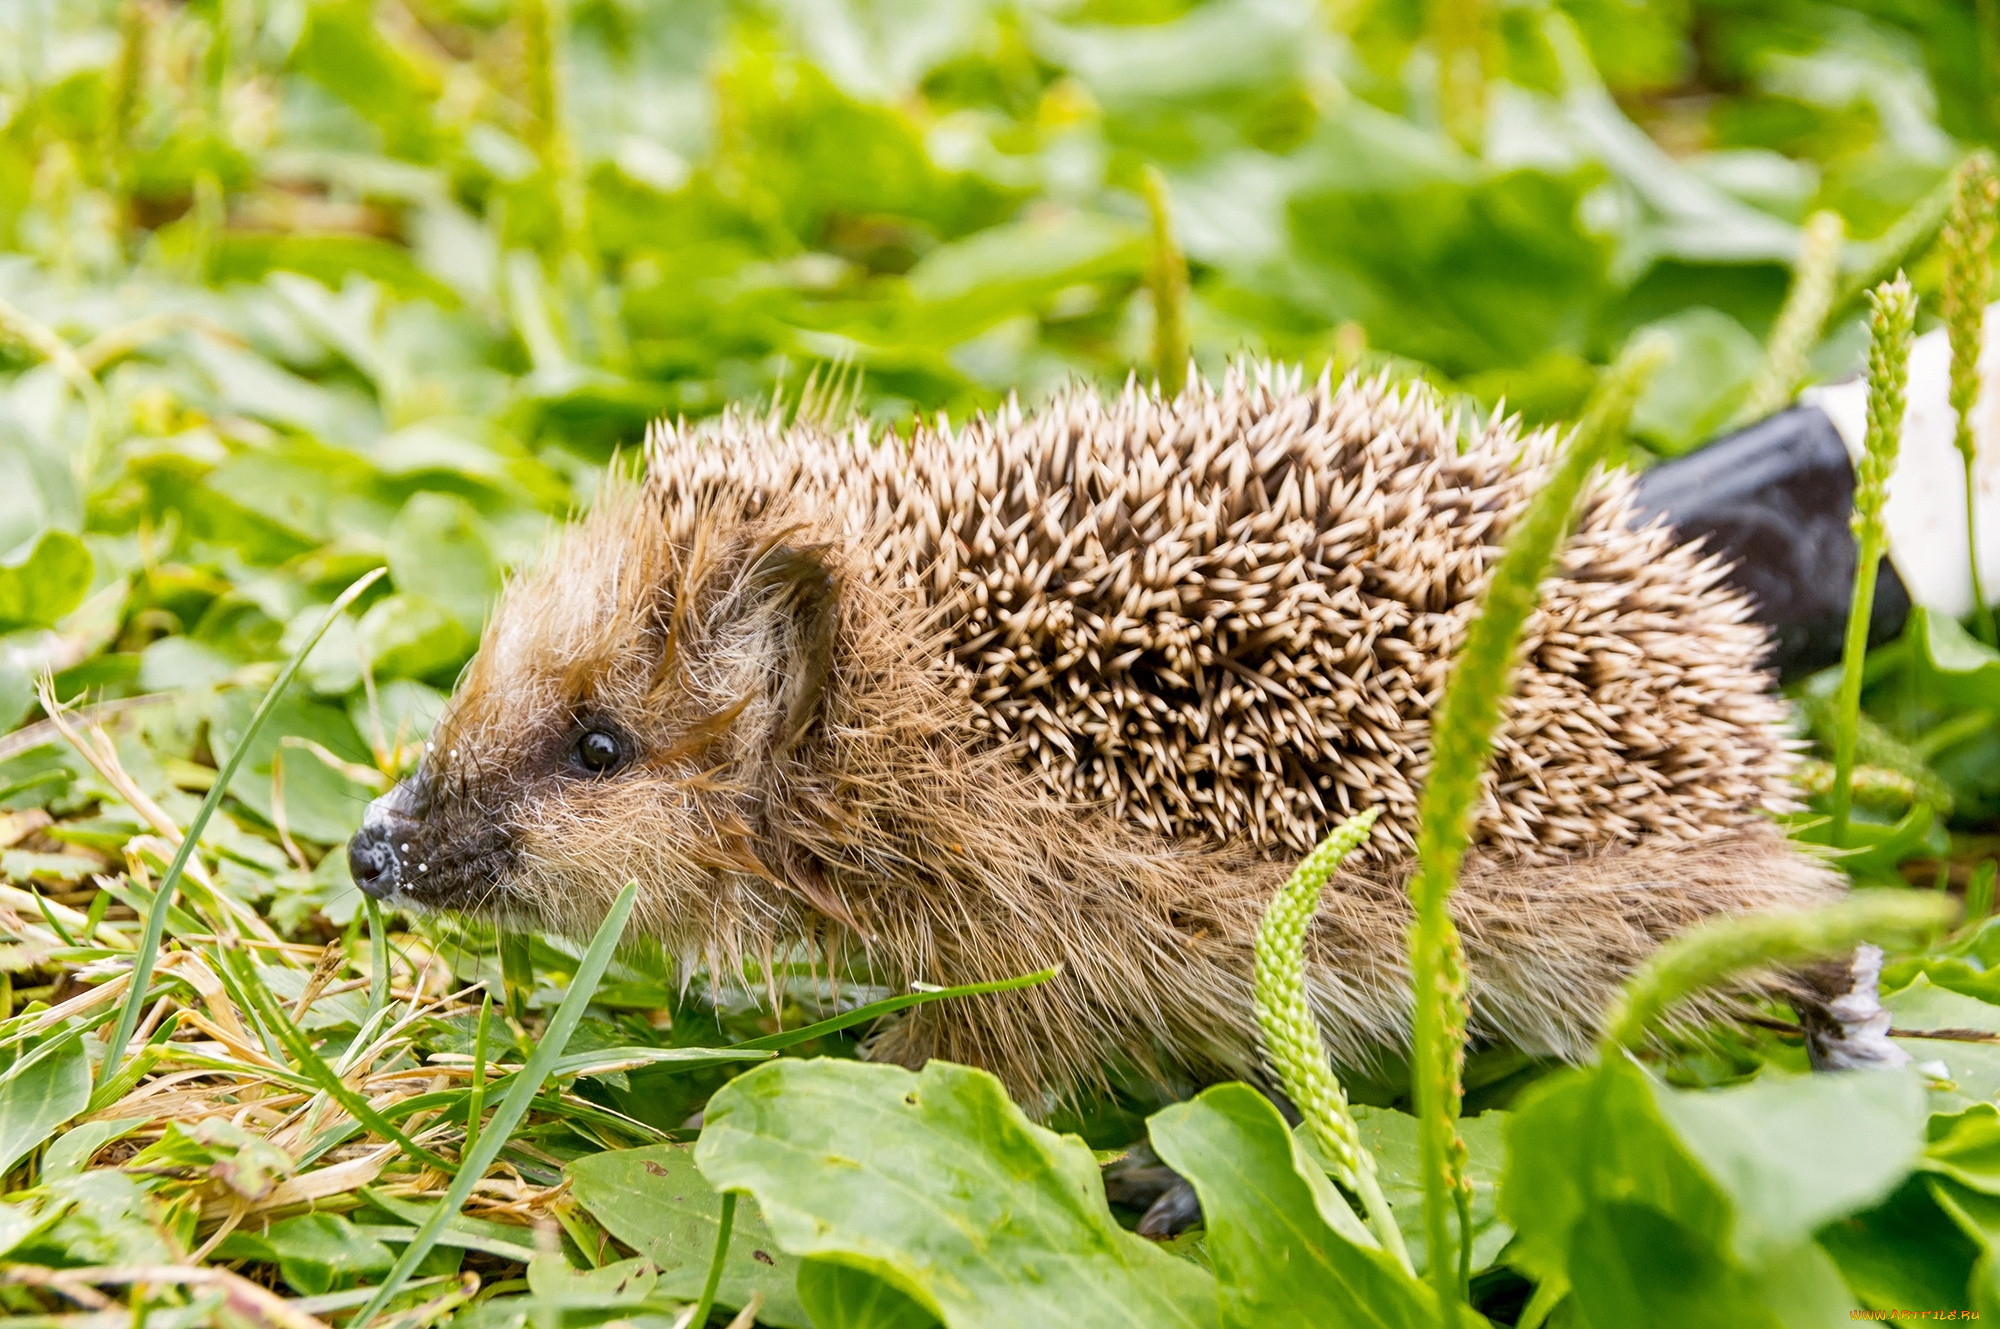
[[1392, 1137], [966, 287], [408, 636], [656, 1201], [1738, 1180], [555, 1282], [313, 1252], [838, 1297], [1906, 1253], [46, 583], [1285, 1246], [936, 1183], [1978, 1217], [1633, 1267], [16, 1222], [438, 550], [38, 1097], [1973, 1069], [70, 1151], [342, 50], [1706, 374], [1795, 1152], [106, 1219], [1966, 1148], [1953, 667]]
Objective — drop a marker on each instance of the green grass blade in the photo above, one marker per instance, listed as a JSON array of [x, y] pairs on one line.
[[889, 1006], [1168, 276], [724, 1223], [378, 958], [514, 1104], [323, 1076], [1967, 242], [156, 916], [1462, 740], [475, 1105]]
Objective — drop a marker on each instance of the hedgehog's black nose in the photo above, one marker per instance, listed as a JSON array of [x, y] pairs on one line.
[[375, 854]]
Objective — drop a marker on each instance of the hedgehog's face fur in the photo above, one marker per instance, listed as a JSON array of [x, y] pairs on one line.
[[623, 720]]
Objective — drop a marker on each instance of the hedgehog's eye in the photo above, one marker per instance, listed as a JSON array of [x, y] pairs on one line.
[[599, 751]]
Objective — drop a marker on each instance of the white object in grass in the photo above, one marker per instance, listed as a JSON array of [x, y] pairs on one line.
[[1925, 512]]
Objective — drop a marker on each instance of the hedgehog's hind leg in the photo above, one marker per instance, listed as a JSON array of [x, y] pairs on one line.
[[1548, 947]]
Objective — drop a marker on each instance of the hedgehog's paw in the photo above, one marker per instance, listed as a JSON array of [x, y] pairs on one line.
[[1139, 1180], [1840, 1006]]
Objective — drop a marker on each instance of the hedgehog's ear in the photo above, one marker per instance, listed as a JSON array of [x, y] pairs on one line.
[[796, 586]]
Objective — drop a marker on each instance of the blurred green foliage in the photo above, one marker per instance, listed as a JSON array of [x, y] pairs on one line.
[[293, 289]]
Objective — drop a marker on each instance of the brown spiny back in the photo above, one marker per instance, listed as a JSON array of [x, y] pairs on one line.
[[1229, 616]]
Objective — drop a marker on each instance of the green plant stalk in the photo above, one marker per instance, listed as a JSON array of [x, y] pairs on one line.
[[517, 973], [127, 87], [1893, 315], [1802, 319], [1293, 1047], [1907, 237], [156, 916], [514, 1104], [1461, 33], [1168, 277], [889, 1006], [1979, 891], [49, 917], [378, 958], [1462, 739], [1967, 241], [474, 1103], [1723, 947], [577, 266], [715, 1262]]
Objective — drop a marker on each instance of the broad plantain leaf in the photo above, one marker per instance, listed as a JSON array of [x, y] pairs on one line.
[[1796, 1152], [936, 1183], [1392, 1137], [1734, 1184], [839, 1297], [1277, 1258], [656, 1201]]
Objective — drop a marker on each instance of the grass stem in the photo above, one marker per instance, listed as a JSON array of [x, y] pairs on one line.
[[513, 1105], [1802, 319], [1967, 242], [156, 915], [1462, 740], [715, 1262], [1168, 277], [1892, 317]]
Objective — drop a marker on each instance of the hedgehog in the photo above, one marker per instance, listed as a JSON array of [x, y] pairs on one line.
[[1073, 689]]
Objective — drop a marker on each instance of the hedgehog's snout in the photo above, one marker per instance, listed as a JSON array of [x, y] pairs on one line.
[[375, 853]]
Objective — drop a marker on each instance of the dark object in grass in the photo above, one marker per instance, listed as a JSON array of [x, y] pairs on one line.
[[1776, 500], [1075, 689]]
